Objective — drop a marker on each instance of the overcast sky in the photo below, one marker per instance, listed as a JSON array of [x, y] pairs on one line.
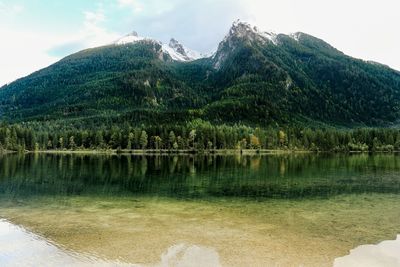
[[37, 33]]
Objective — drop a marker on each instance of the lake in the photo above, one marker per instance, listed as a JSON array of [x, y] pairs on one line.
[[270, 210]]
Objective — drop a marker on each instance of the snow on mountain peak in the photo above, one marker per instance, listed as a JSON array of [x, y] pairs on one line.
[[243, 29], [174, 49], [131, 38], [296, 36], [134, 33], [180, 49], [242, 32]]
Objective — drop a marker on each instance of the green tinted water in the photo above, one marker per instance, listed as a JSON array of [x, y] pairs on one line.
[[286, 210]]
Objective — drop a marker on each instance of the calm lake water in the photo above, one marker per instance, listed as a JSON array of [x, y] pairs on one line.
[[278, 210]]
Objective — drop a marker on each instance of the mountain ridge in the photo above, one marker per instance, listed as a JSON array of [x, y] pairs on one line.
[[174, 49], [254, 77]]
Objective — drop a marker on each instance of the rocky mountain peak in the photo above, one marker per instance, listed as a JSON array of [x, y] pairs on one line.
[[133, 33], [247, 32], [130, 38], [242, 29], [177, 46], [179, 52], [174, 49], [242, 33]]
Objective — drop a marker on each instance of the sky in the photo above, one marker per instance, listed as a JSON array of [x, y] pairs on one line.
[[37, 33]]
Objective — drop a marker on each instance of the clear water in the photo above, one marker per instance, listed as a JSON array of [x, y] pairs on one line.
[[286, 210]]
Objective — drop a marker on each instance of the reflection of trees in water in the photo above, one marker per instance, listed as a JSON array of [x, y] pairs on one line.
[[157, 162], [192, 167], [282, 167], [255, 162], [143, 165], [199, 176], [172, 163]]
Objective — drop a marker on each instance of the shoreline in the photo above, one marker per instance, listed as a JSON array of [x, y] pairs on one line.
[[165, 152], [140, 152]]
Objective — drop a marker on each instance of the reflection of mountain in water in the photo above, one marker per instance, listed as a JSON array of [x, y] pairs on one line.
[[199, 176]]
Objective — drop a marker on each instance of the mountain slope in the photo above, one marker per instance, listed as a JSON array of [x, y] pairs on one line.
[[316, 80], [174, 49], [254, 77], [106, 80]]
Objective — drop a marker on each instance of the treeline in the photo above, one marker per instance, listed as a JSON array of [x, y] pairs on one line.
[[198, 136]]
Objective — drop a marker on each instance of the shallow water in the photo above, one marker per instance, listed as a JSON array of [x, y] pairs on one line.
[[199, 211], [19, 247], [386, 253]]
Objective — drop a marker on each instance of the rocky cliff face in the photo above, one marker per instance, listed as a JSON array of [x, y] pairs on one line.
[[174, 49], [242, 33]]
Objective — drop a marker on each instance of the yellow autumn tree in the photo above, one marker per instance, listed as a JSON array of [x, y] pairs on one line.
[[282, 138], [255, 142]]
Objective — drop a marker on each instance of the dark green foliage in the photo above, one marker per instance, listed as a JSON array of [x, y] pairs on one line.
[[258, 84], [196, 135], [250, 95], [256, 177], [106, 81]]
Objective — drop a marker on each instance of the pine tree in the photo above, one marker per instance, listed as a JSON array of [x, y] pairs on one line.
[[175, 146], [131, 137], [61, 143], [143, 140], [192, 138], [171, 139], [282, 138], [99, 139], [72, 144], [157, 142]]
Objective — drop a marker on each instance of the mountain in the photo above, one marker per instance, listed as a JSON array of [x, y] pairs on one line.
[[174, 49], [186, 53], [254, 77], [300, 76]]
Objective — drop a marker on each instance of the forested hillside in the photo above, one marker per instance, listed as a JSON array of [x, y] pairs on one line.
[[196, 136], [254, 78]]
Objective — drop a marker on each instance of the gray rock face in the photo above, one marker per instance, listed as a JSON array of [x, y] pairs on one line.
[[178, 47], [134, 33], [241, 33], [183, 52]]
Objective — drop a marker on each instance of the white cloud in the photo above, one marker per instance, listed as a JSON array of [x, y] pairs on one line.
[[93, 34], [93, 17], [133, 4], [10, 10], [23, 51], [364, 29], [361, 28], [126, 2], [198, 24]]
